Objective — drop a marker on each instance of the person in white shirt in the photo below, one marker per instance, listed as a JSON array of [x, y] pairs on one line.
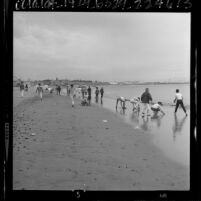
[[122, 101], [39, 90], [157, 107], [72, 94], [136, 103], [22, 89], [179, 101]]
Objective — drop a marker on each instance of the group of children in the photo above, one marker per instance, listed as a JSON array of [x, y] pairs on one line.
[[85, 95], [145, 101]]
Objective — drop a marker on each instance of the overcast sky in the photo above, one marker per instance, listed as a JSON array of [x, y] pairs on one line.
[[102, 46]]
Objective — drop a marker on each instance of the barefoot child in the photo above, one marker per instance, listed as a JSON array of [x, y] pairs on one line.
[[72, 94], [179, 101], [157, 107], [39, 89], [122, 101]]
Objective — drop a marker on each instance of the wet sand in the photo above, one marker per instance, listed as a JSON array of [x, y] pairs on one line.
[[57, 147], [170, 132]]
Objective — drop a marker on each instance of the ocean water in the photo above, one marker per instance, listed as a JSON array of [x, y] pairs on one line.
[[170, 133], [162, 92]]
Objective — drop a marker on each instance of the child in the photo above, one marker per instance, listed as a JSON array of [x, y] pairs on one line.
[[89, 95], [26, 87], [136, 104], [39, 89], [179, 101], [22, 89], [97, 93], [157, 108], [59, 90], [146, 99], [72, 94], [101, 92], [84, 102], [122, 101]]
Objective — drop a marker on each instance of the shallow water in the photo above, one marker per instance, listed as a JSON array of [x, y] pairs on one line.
[[171, 133], [161, 92]]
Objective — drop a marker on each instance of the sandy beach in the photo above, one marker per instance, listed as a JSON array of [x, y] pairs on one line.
[[57, 147]]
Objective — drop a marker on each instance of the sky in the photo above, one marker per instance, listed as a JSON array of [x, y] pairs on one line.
[[101, 46]]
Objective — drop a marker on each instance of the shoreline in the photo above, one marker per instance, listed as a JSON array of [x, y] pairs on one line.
[[73, 148]]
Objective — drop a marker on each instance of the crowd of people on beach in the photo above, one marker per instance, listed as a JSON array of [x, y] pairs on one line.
[[145, 101]]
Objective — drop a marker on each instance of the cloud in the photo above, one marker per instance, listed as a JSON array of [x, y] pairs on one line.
[[97, 45]]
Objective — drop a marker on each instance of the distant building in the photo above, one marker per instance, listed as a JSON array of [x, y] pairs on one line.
[[46, 82], [113, 82]]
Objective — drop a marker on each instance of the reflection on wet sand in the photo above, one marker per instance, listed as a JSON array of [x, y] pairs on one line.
[[163, 128], [122, 112], [157, 118], [145, 124], [135, 117], [178, 125]]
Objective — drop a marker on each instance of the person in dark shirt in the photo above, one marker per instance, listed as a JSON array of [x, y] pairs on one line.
[[67, 90], [72, 94], [145, 99], [89, 94], [26, 87], [97, 93], [101, 92], [82, 92], [122, 102], [56, 88], [59, 89]]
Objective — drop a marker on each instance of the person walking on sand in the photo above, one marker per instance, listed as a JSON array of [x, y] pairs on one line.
[[89, 95], [22, 89], [82, 92], [145, 99], [179, 101], [39, 90], [101, 92], [26, 87], [59, 90], [56, 89], [97, 93], [72, 94]]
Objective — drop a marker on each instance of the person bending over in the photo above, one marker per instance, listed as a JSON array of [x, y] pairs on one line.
[[122, 102], [39, 90], [157, 107]]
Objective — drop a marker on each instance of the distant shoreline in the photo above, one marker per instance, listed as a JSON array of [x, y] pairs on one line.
[[150, 83]]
